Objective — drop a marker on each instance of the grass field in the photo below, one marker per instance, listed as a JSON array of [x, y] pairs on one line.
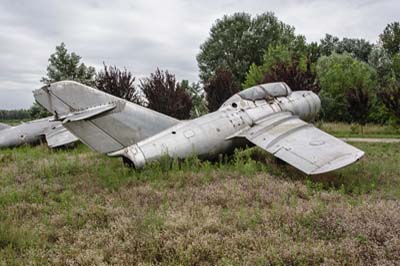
[[76, 207], [345, 130]]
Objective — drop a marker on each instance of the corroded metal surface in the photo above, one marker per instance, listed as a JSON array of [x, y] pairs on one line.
[[270, 116]]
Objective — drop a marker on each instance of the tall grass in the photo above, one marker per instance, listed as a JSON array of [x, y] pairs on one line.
[[76, 207]]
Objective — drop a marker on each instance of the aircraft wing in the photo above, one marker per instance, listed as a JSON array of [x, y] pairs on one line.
[[300, 144], [4, 126], [59, 136]]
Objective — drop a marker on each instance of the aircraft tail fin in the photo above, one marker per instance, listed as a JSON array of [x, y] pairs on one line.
[[102, 121]]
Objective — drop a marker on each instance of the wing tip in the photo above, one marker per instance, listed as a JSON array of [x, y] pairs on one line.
[[338, 163]]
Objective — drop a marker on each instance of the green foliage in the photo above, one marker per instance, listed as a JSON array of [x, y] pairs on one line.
[[253, 76], [67, 66], [390, 96], [196, 92], [390, 38], [381, 61], [273, 56], [20, 114], [396, 66], [36, 111], [358, 100], [64, 66], [337, 74], [237, 41], [277, 54], [288, 63], [358, 48]]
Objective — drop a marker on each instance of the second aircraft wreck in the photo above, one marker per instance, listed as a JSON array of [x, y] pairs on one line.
[[269, 116], [34, 132]]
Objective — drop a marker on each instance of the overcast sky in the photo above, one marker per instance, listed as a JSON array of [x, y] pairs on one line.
[[143, 34]]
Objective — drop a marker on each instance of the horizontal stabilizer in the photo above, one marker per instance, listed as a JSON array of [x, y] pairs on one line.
[[59, 136], [86, 114]]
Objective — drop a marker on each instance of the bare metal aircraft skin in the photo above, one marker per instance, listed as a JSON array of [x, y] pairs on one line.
[[34, 132], [269, 116]]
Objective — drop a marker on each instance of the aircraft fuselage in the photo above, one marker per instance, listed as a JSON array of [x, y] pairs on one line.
[[217, 132]]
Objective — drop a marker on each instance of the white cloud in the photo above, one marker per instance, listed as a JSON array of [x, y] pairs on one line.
[[142, 35]]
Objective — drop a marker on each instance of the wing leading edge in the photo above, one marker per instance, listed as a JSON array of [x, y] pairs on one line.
[[301, 144]]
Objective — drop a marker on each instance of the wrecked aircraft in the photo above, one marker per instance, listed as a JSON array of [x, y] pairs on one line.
[[35, 132], [269, 116]]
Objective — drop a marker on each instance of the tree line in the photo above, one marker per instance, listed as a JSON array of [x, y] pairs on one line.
[[357, 81], [19, 114]]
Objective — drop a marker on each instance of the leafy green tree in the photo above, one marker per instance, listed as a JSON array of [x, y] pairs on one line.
[[165, 95], [390, 38], [64, 66], [381, 61], [338, 74], [36, 111], [396, 66], [17, 114], [313, 52], [67, 66], [358, 104], [219, 88], [198, 98], [291, 64], [237, 41], [328, 44], [390, 96], [119, 83], [254, 76], [359, 48], [389, 92]]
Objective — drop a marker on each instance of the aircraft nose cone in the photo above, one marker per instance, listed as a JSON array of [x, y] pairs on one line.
[[6, 141], [3, 143]]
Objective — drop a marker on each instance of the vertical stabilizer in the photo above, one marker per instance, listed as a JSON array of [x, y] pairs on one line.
[[102, 121]]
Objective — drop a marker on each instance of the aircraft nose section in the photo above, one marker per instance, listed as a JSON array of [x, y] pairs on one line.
[[3, 142], [7, 141]]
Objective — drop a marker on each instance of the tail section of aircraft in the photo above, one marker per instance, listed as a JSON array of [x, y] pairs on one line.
[[102, 121]]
